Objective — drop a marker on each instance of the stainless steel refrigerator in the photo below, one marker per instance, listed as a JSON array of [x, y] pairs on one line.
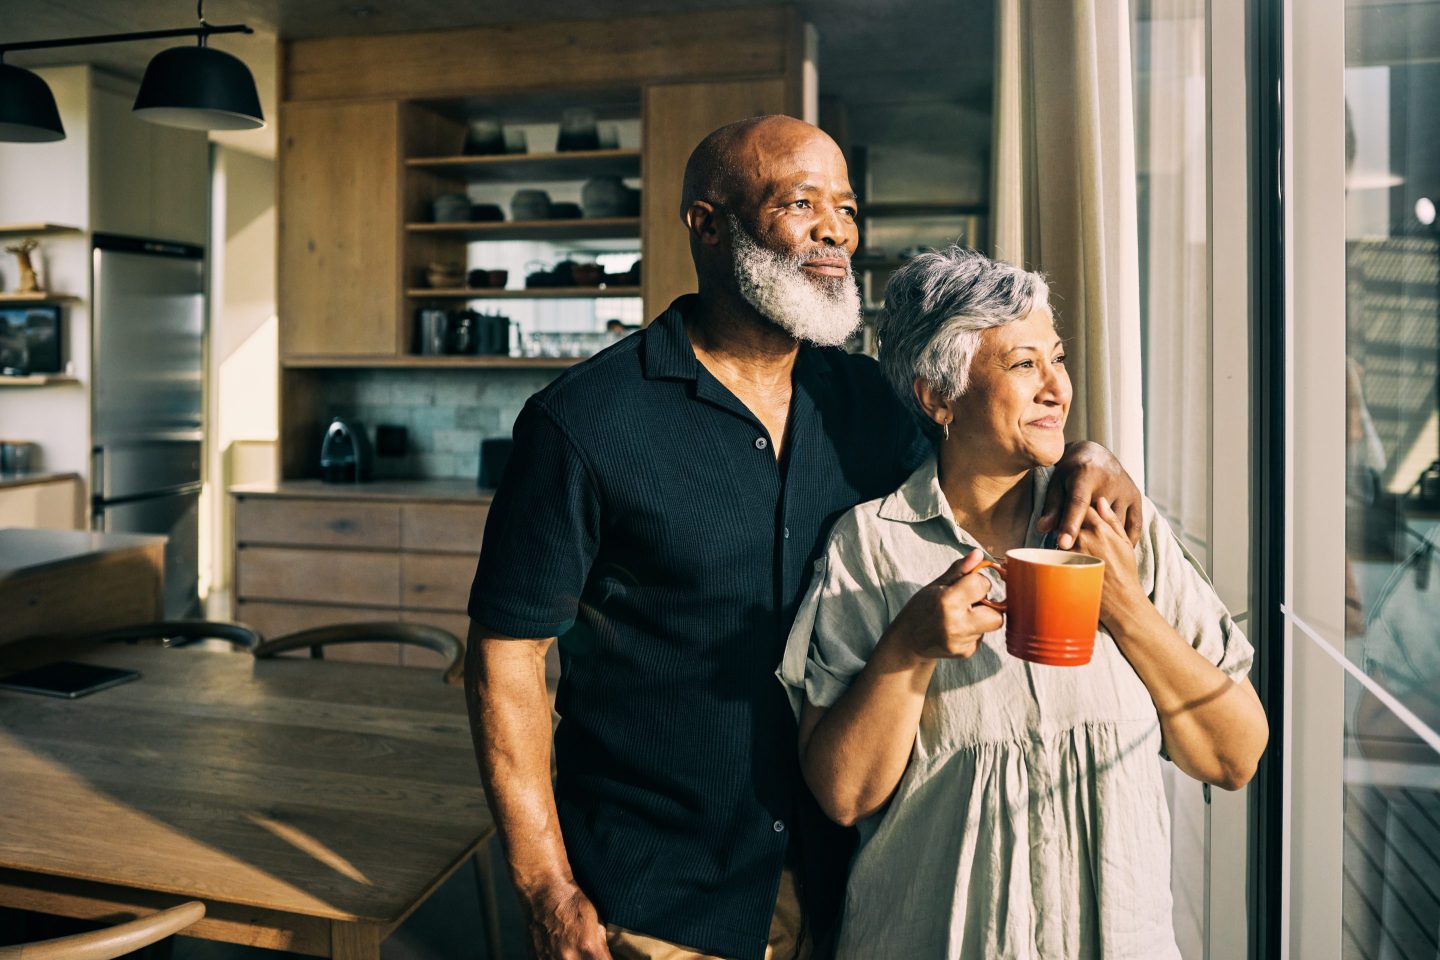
[[147, 400]]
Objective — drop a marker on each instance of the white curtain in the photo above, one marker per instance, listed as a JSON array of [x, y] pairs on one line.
[[1064, 197]]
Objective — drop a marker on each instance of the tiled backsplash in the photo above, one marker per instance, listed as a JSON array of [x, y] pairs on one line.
[[446, 413]]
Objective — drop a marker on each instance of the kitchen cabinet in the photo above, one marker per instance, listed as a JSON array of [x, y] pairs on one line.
[[339, 277], [310, 554], [41, 502]]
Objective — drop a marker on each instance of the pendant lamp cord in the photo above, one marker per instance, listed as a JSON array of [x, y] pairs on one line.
[[200, 13]]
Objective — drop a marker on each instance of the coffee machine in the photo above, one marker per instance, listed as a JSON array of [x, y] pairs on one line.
[[345, 452]]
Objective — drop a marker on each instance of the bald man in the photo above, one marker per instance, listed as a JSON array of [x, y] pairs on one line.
[[660, 515]]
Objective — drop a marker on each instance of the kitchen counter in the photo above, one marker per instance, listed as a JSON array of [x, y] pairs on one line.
[[8, 480], [395, 491], [31, 551], [60, 587]]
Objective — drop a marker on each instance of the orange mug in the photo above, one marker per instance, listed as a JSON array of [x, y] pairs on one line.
[[1052, 605]]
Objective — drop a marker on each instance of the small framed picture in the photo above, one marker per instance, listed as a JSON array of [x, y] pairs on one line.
[[30, 339]]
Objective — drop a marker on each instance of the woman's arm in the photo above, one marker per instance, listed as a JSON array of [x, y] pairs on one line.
[[1213, 727], [854, 753]]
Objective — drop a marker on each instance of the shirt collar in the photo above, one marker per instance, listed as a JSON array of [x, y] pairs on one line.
[[669, 355], [919, 498], [666, 351]]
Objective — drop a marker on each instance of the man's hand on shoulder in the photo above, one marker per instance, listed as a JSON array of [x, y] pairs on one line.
[[1086, 473], [564, 925]]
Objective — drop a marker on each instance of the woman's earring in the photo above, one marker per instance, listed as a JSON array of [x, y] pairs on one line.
[[945, 430]]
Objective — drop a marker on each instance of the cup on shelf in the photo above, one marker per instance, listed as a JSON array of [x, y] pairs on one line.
[[515, 141], [484, 136], [498, 278], [432, 328], [609, 137], [443, 275], [530, 204], [577, 130], [451, 208]]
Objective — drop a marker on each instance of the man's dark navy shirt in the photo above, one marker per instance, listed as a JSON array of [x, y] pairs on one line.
[[644, 519]]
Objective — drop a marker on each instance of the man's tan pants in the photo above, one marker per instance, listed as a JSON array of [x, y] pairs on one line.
[[788, 940]]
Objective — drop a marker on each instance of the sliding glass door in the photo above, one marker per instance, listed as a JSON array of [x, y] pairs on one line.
[[1361, 603]]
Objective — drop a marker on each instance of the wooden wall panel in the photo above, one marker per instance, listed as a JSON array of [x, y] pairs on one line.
[[512, 58], [677, 117]]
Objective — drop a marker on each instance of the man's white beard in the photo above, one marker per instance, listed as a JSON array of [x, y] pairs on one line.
[[822, 310]]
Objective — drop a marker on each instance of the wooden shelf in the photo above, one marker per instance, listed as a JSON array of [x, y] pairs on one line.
[[535, 167], [592, 229], [41, 297], [441, 362], [35, 229], [35, 379], [530, 293], [923, 209]]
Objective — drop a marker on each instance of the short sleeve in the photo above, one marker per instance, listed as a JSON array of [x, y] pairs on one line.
[[840, 620], [1186, 599], [541, 536]]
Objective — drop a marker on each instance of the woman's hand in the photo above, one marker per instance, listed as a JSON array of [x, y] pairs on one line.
[[1086, 473], [946, 619], [1102, 535]]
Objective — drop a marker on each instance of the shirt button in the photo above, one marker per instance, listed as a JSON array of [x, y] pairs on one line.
[[787, 533], [779, 826], [761, 443]]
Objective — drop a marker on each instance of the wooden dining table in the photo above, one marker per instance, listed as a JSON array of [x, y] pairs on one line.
[[311, 805]]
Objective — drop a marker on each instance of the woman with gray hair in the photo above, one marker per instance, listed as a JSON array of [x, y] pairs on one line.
[[1005, 808]]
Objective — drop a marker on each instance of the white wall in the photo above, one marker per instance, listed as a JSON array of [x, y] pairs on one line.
[[47, 183], [243, 340]]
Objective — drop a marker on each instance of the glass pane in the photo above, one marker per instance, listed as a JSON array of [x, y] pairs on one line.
[[1171, 140], [1391, 906]]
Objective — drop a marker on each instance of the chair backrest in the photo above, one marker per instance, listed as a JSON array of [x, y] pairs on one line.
[[183, 632], [441, 641], [112, 941]]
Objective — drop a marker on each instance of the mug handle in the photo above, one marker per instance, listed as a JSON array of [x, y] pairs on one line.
[[1000, 605]]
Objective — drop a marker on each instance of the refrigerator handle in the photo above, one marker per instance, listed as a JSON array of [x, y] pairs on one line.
[[97, 475]]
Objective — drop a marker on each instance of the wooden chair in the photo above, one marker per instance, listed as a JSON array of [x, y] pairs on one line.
[[112, 942], [182, 633], [441, 641]]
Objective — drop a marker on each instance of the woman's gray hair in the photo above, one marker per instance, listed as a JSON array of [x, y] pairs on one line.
[[936, 306]]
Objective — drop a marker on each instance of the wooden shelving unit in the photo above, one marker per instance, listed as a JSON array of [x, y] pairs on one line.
[[35, 229], [534, 167], [41, 297], [597, 228], [530, 293], [36, 379], [418, 362]]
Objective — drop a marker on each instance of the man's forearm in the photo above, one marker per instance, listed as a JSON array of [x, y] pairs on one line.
[[511, 724]]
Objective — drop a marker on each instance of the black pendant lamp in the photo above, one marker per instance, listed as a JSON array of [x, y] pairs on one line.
[[199, 89], [192, 87], [27, 108]]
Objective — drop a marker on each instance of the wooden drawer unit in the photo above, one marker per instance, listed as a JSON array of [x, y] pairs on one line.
[[309, 561], [363, 578], [456, 528], [436, 581], [314, 523]]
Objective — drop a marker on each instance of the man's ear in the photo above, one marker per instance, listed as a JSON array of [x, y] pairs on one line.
[[703, 222]]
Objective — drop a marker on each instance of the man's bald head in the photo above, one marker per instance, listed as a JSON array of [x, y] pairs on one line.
[[721, 169]]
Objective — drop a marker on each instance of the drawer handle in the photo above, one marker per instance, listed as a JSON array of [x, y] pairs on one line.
[[342, 526]]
